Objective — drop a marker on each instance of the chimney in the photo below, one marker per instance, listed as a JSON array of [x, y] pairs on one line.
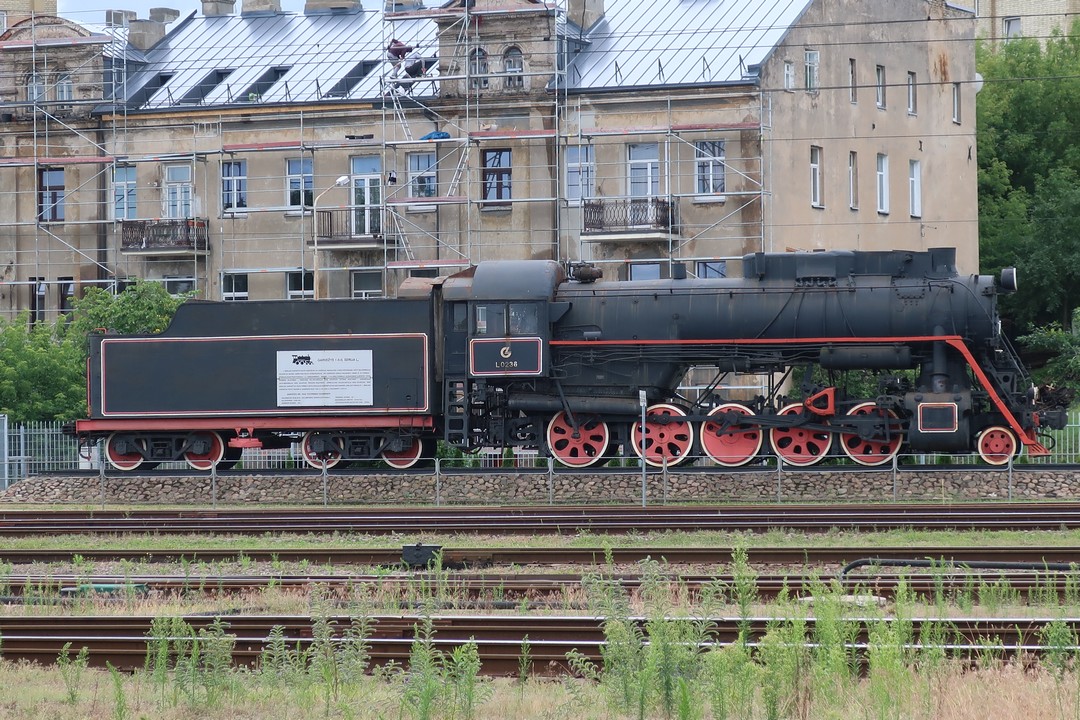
[[143, 34], [164, 15], [585, 12], [260, 6], [330, 5], [212, 8]]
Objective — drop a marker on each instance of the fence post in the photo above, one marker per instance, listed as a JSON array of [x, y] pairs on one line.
[[779, 476], [213, 484], [438, 482], [101, 480], [325, 482], [5, 456], [551, 480]]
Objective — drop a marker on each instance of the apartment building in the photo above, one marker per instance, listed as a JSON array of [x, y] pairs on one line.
[[247, 153], [1002, 20]]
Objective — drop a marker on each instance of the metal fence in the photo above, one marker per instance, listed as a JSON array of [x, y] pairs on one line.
[[42, 447]]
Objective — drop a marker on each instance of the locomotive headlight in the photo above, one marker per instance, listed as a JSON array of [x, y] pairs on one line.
[[1008, 282]]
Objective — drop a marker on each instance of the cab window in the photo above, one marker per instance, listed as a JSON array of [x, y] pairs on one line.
[[523, 319], [490, 319]]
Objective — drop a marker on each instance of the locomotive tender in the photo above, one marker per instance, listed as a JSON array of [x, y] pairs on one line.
[[518, 354]]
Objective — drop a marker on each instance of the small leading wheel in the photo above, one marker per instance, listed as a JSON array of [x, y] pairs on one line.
[[799, 446], [586, 448], [872, 452], [412, 453], [207, 450], [998, 445], [738, 445], [667, 442], [121, 452], [319, 450]]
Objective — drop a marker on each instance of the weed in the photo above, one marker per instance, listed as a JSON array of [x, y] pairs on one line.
[[71, 670]]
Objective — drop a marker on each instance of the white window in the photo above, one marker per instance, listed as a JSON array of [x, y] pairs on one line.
[[35, 88], [956, 103], [709, 155], [912, 93], [299, 182], [1010, 28], [645, 271], [366, 283], [124, 207], [177, 191], [789, 75], [496, 177], [879, 87], [883, 183], [478, 69], [643, 169], [179, 284], [816, 198], [300, 285], [514, 67], [580, 171], [3, 20], [367, 195], [233, 185], [234, 287], [422, 179], [813, 58], [65, 91], [853, 81], [853, 180], [915, 188]]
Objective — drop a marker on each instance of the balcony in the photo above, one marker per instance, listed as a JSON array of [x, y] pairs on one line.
[[350, 228], [164, 237], [613, 219]]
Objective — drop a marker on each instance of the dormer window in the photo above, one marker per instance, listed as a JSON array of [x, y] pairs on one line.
[[514, 67], [478, 69]]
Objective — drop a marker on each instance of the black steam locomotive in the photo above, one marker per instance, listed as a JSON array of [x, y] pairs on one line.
[[535, 354]]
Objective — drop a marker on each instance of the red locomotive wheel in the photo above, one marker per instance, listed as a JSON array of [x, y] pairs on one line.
[[998, 445], [215, 451], [739, 445], [799, 446], [403, 459], [315, 459], [586, 449], [125, 462], [871, 452], [666, 443]]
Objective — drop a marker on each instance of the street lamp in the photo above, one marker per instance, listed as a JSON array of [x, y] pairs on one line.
[[340, 182]]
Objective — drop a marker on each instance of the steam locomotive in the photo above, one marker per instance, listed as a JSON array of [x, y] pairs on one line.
[[536, 354]]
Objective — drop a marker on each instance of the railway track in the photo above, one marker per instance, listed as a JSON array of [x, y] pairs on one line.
[[546, 519], [122, 641]]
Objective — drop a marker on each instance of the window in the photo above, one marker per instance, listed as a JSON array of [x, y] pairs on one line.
[[812, 59], [65, 91], [879, 88], [882, 183], [478, 69], [367, 195], [709, 155], [514, 67], [524, 319], [35, 88], [644, 271], [1010, 28], [124, 192], [299, 182], [3, 20], [424, 272], [712, 268], [580, 173], [490, 319], [912, 94], [816, 198], [496, 177], [233, 185], [644, 169], [422, 178], [51, 194], [179, 284], [300, 285], [177, 191], [853, 180], [234, 287], [915, 188], [366, 283], [65, 295], [37, 299], [956, 103], [853, 83], [789, 75]]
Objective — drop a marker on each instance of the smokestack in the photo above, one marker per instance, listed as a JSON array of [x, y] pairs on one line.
[[143, 34], [213, 8], [329, 5], [164, 15], [585, 12], [260, 6]]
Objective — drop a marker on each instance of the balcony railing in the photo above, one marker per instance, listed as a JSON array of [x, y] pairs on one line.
[[348, 225], [604, 215], [164, 236]]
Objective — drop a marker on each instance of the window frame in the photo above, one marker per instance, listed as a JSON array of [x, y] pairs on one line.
[[302, 290], [915, 188], [812, 58], [496, 180], [853, 180], [299, 181], [880, 83], [710, 168], [580, 166], [710, 269], [51, 195], [514, 68], [789, 76], [38, 299], [177, 196], [416, 174], [173, 284], [882, 183], [479, 69], [1011, 28], [65, 91], [912, 93], [817, 189], [234, 187], [65, 295], [234, 293], [365, 293], [365, 173], [648, 161], [956, 103], [37, 89], [125, 194], [639, 269], [853, 85]]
